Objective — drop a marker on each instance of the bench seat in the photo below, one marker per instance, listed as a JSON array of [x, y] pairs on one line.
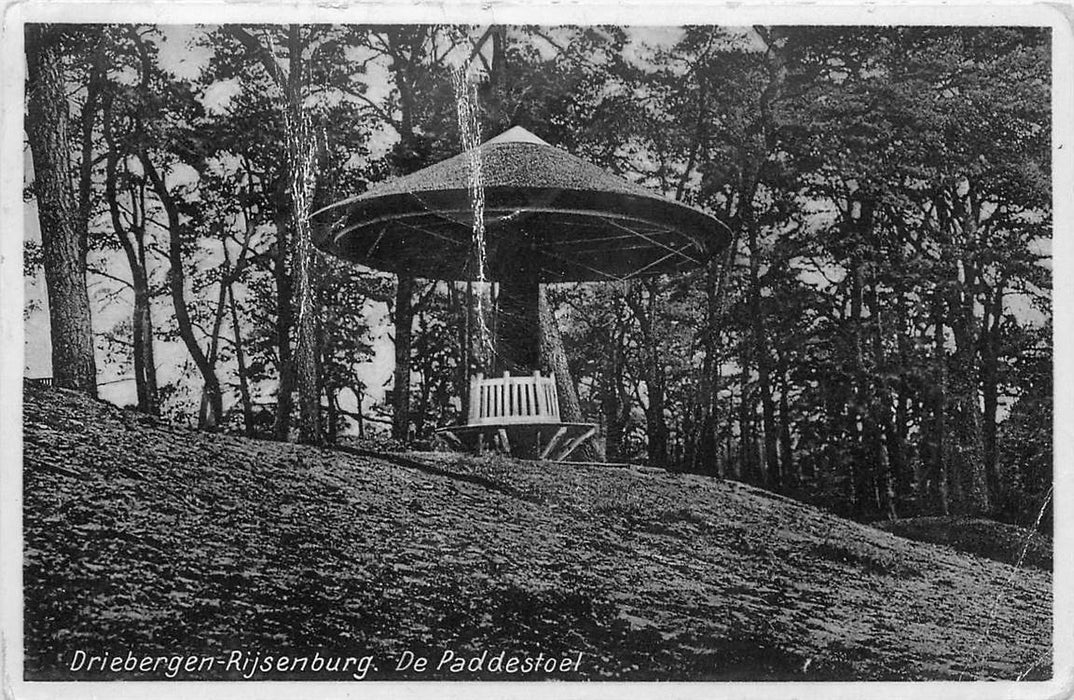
[[518, 415]]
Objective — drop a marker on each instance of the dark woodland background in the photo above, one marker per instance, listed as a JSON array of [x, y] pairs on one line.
[[877, 340]]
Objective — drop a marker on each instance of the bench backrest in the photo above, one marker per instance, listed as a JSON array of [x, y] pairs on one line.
[[507, 399]]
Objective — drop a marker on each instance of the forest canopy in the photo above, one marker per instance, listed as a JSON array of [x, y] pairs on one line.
[[877, 339]]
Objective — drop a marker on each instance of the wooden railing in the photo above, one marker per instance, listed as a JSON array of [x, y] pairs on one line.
[[506, 400]]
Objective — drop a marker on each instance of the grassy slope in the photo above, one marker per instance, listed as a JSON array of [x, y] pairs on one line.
[[145, 536]]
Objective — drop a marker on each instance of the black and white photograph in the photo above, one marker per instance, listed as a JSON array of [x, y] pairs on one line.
[[505, 353]]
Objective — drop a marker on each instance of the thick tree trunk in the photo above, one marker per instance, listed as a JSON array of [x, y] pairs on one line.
[[292, 265], [300, 145], [73, 362], [307, 363], [966, 419], [403, 316], [964, 405]]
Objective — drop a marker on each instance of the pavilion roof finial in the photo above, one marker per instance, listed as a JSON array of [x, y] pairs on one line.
[[517, 134]]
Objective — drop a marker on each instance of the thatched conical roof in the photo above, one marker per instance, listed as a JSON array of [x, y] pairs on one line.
[[543, 207]]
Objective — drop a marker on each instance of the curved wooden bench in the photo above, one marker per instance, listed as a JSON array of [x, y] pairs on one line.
[[519, 415]]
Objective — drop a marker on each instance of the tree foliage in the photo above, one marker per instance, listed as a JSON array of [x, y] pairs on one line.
[[876, 339]]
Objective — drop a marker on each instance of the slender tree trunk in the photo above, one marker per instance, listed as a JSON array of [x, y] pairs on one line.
[[73, 362], [656, 429], [144, 309], [900, 465], [332, 402], [404, 320], [552, 356], [887, 456], [281, 429], [761, 351], [615, 403], [248, 419], [861, 419], [791, 468], [609, 405], [461, 302], [145, 371], [214, 336], [754, 164], [705, 448], [133, 244], [990, 348], [88, 121], [359, 396], [290, 182], [938, 441], [177, 282], [750, 470]]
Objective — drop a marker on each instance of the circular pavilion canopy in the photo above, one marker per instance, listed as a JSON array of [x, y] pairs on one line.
[[548, 215]]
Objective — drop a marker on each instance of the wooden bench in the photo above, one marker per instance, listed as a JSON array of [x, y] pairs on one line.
[[519, 415]]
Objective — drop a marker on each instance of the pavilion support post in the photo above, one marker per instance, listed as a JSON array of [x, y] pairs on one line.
[[518, 322]]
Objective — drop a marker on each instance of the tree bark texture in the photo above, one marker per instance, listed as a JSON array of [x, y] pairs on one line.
[[73, 362], [300, 152], [403, 317], [281, 269], [645, 308], [552, 357]]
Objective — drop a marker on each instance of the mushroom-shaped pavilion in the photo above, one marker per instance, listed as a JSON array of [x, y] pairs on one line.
[[548, 216]]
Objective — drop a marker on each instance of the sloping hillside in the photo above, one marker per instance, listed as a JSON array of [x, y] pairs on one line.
[[146, 537], [987, 538]]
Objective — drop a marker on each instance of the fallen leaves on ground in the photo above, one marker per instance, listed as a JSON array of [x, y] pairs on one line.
[[145, 536]]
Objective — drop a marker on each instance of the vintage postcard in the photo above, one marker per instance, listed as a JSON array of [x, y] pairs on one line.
[[558, 350]]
